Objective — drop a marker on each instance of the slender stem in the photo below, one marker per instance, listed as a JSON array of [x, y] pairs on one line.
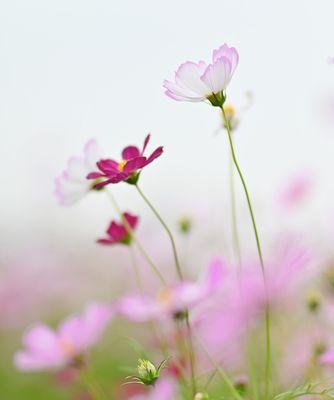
[[235, 231], [222, 373], [180, 275], [134, 237], [93, 387], [135, 268], [259, 250], [169, 233]]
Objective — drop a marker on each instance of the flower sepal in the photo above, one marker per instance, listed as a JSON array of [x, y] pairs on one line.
[[217, 99], [133, 179]]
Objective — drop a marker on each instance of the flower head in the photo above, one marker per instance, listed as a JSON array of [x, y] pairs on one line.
[[72, 184], [174, 300], [128, 169], [49, 349], [200, 81], [119, 232]]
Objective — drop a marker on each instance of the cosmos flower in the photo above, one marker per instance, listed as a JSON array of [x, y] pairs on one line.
[[118, 233], [201, 81], [128, 169], [170, 301], [72, 184], [46, 349]]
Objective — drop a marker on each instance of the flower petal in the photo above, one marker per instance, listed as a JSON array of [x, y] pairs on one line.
[[229, 52], [134, 164], [130, 152], [218, 75]]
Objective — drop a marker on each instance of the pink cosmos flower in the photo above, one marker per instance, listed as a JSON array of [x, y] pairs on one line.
[[133, 160], [327, 358], [174, 299], [165, 389], [296, 190], [117, 232], [49, 349], [72, 184], [200, 81]]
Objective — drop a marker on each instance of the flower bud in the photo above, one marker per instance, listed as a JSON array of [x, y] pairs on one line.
[[313, 301], [185, 224], [201, 396], [147, 372]]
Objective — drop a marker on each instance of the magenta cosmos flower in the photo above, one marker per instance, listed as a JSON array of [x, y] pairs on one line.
[[118, 233], [128, 169], [201, 81], [173, 300], [72, 184], [45, 348]]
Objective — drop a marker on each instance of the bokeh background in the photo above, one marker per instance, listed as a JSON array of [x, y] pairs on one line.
[[74, 70]]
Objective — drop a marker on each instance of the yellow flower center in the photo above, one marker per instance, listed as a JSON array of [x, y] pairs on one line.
[[165, 296], [121, 165], [67, 347], [229, 110]]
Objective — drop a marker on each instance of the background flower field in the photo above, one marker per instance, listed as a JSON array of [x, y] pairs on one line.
[[75, 71]]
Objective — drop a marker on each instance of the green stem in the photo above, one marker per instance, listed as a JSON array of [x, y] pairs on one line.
[[134, 237], [222, 373], [135, 268], [180, 275], [93, 387], [235, 231], [169, 233], [259, 250]]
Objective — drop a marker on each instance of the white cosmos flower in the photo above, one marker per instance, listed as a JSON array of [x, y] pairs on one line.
[[72, 184], [199, 81]]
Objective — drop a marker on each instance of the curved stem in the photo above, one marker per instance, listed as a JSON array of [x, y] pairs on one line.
[[235, 231], [259, 250], [222, 373], [133, 235], [180, 275], [135, 268], [169, 233]]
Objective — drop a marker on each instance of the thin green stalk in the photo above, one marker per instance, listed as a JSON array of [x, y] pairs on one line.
[[180, 275], [133, 235], [93, 387], [135, 268], [259, 250], [169, 233], [222, 373], [235, 231]]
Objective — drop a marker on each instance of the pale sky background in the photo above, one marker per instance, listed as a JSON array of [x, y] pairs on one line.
[[72, 70]]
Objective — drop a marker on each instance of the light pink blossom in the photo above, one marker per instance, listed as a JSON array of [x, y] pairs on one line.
[[171, 300], [200, 81], [72, 184], [45, 348]]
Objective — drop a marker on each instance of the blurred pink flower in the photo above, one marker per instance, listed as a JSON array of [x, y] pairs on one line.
[[165, 389], [174, 299], [133, 160], [72, 184], [48, 349], [296, 189], [327, 358], [242, 301], [199, 82], [117, 232]]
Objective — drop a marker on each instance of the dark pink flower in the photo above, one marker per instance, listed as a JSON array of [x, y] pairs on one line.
[[117, 232], [133, 160]]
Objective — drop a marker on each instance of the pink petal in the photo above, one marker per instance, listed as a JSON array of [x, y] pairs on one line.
[[157, 153], [134, 164], [132, 220], [109, 167], [146, 141], [229, 52], [218, 75], [94, 175], [130, 152]]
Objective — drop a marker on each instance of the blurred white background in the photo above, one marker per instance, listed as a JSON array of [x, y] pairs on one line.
[[72, 70]]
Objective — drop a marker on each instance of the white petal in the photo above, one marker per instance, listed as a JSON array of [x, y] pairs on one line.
[[218, 75]]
